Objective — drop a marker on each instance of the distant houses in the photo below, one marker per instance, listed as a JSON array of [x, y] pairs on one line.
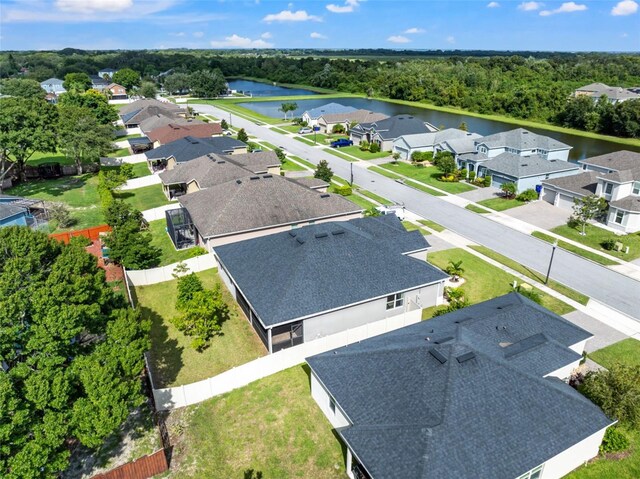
[[328, 121], [384, 132], [188, 148], [311, 116], [615, 95]]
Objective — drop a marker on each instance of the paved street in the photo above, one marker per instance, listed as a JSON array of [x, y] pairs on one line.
[[617, 291]]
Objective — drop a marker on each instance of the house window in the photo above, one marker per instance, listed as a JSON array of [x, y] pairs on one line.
[[395, 301], [608, 188], [332, 405], [534, 473], [619, 217], [636, 188]]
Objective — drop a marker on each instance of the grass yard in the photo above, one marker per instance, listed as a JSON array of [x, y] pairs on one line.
[[40, 158], [143, 198], [626, 351], [484, 281], [530, 273], [339, 154], [575, 249], [306, 163], [79, 193], [373, 196], [234, 109], [271, 427], [413, 184], [501, 204], [409, 226], [428, 175], [476, 209], [304, 140], [595, 236], [119, 153], [433, 225], [139, 169], [354, 150], [173, 361], [291, 166], [288, 128], [161, 240]]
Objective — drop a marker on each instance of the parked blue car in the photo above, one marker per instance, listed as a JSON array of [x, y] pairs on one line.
[[341, 142]]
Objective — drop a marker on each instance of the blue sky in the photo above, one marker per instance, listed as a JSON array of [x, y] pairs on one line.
[[419, 24]]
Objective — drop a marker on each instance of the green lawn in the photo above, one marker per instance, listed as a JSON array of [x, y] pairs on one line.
[[339, 154], [143, 198], [501, 204], [40, 158], [126, 137], [302, 161], [173, 361], [288, 128], [373, 196], [626, 351], [409, 226], [413, 184], [476, 209], [432, 224], [484, 281], [428, 175], [291, 166], [354, 150], [595, 236], [575, 249], [162, 240], [139, 169], [530, 273], [79, 193], [303, 140], [234, 109], [271, 427], [119, 153]]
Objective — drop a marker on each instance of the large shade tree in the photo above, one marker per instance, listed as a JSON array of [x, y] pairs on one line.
[[127, 77], [22, 87], [94, 101], [71, 354], [207, 83]]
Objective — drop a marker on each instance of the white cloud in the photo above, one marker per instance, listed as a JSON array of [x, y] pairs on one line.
[[451, 39], [90, 6], [398, 39], [626, 7], [198, 34], [266, 35], [493, 5], [289, 16], [414, 30], [318, 36], [566, 7], [178, 34], [624, 35], [348, 7], [530, 6], [236, 41]]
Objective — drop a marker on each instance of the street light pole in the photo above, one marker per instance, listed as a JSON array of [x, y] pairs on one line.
[[553, 250], [230, 123], [351, 183]]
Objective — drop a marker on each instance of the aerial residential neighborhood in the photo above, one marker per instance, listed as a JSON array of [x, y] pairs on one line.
[[364, 240]]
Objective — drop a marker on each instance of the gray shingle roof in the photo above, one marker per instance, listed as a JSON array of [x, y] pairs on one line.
[[395, 126], [616, 161], [328, 109], [257, 162], [326, 266], [630, 203], [313, 183], [188, 148], [158, 121], [137, 116], [623, 176], [521, 139], [141, 104], [205, 170], [358, 116], [596, 90], [584, 184], [493, 415], [262, 202], [518, 166], [461, 145], [433, 138]]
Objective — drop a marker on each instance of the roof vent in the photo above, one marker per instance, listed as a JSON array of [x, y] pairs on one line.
[[525, 132], [221, 162], [325, 195], [438, 355], [254, 177], [525, 164], [300, 240], [321, 235], [267, 176], [443, 340], [238, 181], [466, 357], [337, 232]]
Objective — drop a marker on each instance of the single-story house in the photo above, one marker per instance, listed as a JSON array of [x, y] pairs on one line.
[[526, 172], [406, 145], [476, 393], [612, 176], [329, 277], [18, 211], [311, 116], [147, 102], [328, 120], [188, 148], [53, 85], [107, 72], [385, 132], [140, 144], [614, 94], [118, 92], [134, 118], [524, 143], [252, 206], [175, 131], [158, 121], [211, 169], [457, 146]]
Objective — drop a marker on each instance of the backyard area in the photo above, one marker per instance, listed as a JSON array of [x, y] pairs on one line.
[[143, 198], [484, 281], [271, 428], [173, 361], [428, 175], [162, 240], [596, 236]]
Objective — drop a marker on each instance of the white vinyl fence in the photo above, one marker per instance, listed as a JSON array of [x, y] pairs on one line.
[[141, 182], [181, 396], [142, 277]]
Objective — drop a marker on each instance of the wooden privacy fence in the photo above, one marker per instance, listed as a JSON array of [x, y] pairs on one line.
[[90, 233], [142, 468]]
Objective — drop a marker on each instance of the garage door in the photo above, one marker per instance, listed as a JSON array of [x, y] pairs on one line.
[[565, 201], [404, 153], [498, 181], [549, 196]]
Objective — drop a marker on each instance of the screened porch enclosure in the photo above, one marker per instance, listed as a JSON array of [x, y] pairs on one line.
[[181, 228]]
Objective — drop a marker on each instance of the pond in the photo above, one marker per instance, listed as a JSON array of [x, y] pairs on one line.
[[583, 147], [266, 89]]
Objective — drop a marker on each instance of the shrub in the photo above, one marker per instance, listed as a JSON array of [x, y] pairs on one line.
[[60, 213], [242, 136], [614, 441], [197, 251], [281, 155], [323, 171], [486, 181], [528, 195], [374, 148], [609, 244], [472, 176], [463, 172], [509, 190], [364, 145], [344, 190], [573, 222], [224, 125], [373, 211], [421, 156], [528, 292], [453, 306], [126, 170], [339, 128]]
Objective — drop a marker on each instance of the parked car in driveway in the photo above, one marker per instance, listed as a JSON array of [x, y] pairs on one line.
[[305, 130], [341, 142]]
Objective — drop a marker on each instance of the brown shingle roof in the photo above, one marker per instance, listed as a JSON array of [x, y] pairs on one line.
[[583, 184], [617, 160], [175, 131]]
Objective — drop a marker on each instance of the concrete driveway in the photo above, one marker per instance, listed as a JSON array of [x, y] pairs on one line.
[[541, 214], [603, 335]]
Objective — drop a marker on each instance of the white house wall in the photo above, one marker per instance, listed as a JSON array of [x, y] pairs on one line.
[[322, 398], [558, 155], [565, 372], [569, 459]]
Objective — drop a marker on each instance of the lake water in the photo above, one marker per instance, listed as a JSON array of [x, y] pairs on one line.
[[582, 147], [265, 89]]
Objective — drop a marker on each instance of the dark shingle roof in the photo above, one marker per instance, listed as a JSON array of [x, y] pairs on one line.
[[518, 166], [521, 139], [583, 184], [326, 266], [395, 126], [188, 148], [492, 415], [259, 202], [616, 161], [207, 171]]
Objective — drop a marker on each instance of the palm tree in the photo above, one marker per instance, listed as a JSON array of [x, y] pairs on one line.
[[455, 269]]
